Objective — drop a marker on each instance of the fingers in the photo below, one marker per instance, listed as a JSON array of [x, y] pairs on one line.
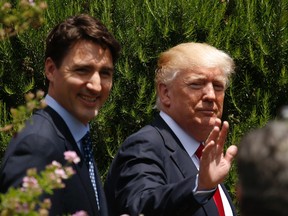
[[214, 165], [231, 153], [218, 122], [217, 134], [216, 139], [209, 149], [213, 136], [223, 133]]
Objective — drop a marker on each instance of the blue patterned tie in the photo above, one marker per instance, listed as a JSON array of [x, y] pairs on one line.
[[88, 158]]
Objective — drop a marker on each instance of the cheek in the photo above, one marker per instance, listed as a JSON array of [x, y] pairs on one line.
[[220, 98], [106, 86], [194, 100], [71, 81], [220, 102]]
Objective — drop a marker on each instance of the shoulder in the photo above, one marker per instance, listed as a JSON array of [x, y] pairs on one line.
[[38, 137], [145, 144], [44, 122], [146, 136], [148, 132]]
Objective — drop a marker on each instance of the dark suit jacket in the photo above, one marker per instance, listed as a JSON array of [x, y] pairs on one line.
[[45, 138], [153, 174]]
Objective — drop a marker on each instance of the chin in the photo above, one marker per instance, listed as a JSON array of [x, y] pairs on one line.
[[208, 121], [212, 121]]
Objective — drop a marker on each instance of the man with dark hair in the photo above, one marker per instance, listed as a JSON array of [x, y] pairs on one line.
[[79, 66]]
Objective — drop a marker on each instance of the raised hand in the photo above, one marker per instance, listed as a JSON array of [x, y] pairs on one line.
[[214, 164]]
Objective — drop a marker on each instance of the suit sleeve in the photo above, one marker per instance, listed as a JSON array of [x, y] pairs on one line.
[[140, 180]]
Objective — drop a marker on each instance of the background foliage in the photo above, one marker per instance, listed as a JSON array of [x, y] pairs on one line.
[[253, 32]]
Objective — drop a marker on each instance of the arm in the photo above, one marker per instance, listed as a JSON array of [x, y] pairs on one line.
[[145, 180]]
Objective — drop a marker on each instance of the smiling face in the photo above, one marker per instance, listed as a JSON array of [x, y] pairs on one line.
[[83, 81], [194, 99]]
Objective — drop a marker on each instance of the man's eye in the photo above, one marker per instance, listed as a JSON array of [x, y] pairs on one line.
[[82, 70], [218, 87], [196, 85], [106, 73]]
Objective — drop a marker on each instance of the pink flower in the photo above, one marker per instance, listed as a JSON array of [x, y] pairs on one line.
[[61, 173], [31, 2], [80, 213], [30, 182], [22, 208], [71, 156], [40, 94], [56, 164], [69, 171]]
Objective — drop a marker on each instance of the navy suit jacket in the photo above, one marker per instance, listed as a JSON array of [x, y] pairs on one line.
[[45, 138], [154, 175]]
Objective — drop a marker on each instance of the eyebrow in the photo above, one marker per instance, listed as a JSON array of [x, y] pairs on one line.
[[203, 77], [79, 65], [108, 68]]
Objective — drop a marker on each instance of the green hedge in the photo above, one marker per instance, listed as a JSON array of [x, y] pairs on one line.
[[253, 32]]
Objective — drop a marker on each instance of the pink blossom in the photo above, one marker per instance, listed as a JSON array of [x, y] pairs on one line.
[[31, 2], [71, 156], [61, 173], [56, 164], [69, 171], [39, 94], [22, 208], [29, 96], [80, 213], [30, 182]]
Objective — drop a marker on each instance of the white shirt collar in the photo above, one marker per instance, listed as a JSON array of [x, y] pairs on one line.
[[188, 142], [77, 129]]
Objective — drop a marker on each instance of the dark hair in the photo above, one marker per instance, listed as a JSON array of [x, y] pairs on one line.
[[81, 27]]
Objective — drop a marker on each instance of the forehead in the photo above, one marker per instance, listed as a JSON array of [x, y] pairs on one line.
[[209, 74], [87, 51], [85, 47]]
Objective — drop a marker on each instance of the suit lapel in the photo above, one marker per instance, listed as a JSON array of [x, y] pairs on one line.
[[71, 145], [183, 161], [176, 150], [63, 129]]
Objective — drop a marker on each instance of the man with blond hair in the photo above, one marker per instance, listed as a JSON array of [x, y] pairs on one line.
[[176, 165]]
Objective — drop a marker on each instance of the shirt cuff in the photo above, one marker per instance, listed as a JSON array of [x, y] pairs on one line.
[[202, 196]]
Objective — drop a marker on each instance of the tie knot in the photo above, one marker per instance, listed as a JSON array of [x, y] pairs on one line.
[[86, 140], [199, 150], [87, 147]]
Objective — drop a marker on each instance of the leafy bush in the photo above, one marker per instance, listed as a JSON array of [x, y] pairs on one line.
[[254, 33]]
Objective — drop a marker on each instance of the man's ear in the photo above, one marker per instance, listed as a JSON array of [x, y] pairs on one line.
[[50, 69], [164, 94]]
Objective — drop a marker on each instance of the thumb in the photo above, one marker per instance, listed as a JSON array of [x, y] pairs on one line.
[[231, 152]]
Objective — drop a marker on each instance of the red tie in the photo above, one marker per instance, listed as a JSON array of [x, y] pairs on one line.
[[217, 198]]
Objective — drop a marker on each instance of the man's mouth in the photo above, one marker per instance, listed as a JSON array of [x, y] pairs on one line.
[[208, 111], [89, 99]]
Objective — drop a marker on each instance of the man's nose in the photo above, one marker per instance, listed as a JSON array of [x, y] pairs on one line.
[[94, 83], [209, 91]]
